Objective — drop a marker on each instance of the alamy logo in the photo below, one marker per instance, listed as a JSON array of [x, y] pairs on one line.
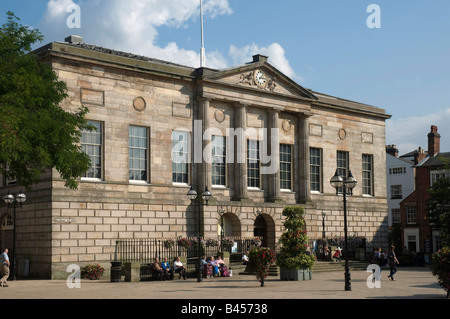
[[270, 163], [374, 280], [74, 279], [74, 19], [374, 20]]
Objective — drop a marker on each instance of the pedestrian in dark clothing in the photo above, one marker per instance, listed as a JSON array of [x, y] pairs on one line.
[[393, 262]]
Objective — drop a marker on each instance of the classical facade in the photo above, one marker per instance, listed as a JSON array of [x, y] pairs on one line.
[[256, 139]]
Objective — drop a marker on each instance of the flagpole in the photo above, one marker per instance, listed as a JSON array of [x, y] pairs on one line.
[[202, 51]]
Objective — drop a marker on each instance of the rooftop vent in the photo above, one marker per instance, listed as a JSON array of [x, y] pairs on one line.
[[75, 39], [260, 58]]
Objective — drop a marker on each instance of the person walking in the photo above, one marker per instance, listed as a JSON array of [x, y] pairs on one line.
[[4, 267], [393, 262]]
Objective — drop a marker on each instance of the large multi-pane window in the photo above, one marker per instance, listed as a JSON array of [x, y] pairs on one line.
[[342, 165], [180, 157], [285, 166], [138, 154], [253, 164], [367, 174], [91, 144], [315, 164], [219, 153], [411, 214], [396, 216]]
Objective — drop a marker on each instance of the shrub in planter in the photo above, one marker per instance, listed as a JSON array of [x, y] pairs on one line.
[[441, 268], [260, 260], [294, 251], [92, 272]]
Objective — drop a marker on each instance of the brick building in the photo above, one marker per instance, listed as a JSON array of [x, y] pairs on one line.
[[417, 233], [148, 111]]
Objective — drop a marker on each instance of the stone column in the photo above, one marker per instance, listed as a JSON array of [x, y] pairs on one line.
[[204, 168], [304, 181], [274, 149], [240, 152]]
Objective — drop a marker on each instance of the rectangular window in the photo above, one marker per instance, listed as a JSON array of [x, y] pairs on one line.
[[396, 217], [286, 166], [315, 164], [219, 153], [92, 145], [253, 164], [411, 214], [138, 153], [180, 157], [342, 165], [397, 170], [396, 192], [367, 174]]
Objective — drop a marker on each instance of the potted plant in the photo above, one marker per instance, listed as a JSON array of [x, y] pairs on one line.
[[295, 260], [169, 243], [92, 271], [441, 268], [184, 243], [260, 260]]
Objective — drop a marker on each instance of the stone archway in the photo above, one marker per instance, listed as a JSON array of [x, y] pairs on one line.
[[231, 225], [264, 226]]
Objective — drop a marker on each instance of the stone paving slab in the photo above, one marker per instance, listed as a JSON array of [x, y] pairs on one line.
[[411, 283]]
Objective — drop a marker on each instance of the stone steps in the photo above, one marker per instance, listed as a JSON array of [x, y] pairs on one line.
[[320, 266]]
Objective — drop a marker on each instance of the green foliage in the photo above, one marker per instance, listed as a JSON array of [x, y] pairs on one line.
[[441, 267], [260, 259], [294, 241], [36, 134], [92, 272], [439, 207]]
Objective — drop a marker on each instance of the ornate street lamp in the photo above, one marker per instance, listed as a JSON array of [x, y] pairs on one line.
[[206, 196], [349, 183], [14, 201], [324, 214]]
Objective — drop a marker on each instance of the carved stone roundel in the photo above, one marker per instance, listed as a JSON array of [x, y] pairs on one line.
[[342, 134], [139, 104], [219, 116], [286, 126]]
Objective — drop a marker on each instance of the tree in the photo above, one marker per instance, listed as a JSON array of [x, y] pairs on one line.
[[293, 253], [36, 134], [439, 208]]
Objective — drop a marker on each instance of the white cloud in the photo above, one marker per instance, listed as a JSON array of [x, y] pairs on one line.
[[131, 26], [408, 133], [274, 51]]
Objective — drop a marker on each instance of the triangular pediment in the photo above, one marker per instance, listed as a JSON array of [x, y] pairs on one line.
[[260, 76]]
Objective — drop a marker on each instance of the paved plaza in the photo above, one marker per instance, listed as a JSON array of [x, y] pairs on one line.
[[411, 283]]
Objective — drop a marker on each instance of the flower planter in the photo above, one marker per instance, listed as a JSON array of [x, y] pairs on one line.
[[294, 274]]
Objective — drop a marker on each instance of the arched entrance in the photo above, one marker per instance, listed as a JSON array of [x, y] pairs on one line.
[[264, 227], [231, 225]]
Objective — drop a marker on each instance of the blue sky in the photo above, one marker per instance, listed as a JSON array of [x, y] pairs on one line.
[[324, 45]]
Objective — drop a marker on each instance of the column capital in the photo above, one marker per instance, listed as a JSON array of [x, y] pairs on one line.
[[305, 115]]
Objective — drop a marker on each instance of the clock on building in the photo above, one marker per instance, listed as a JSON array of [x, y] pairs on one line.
[[260, 78]]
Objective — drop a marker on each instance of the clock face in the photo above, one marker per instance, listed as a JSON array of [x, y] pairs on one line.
[[260, 78]]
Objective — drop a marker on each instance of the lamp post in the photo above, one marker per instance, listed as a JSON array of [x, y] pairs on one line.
[[206, 196], [221, 212], [11, 200], [324, 214], [348, 183]]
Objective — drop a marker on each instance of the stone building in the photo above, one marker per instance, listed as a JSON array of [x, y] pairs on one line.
[[147, 111]]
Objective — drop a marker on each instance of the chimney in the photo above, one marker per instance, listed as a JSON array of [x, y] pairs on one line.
[[392, 149], [419, 156], [434, 141], [74, 39], [260, 58]]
